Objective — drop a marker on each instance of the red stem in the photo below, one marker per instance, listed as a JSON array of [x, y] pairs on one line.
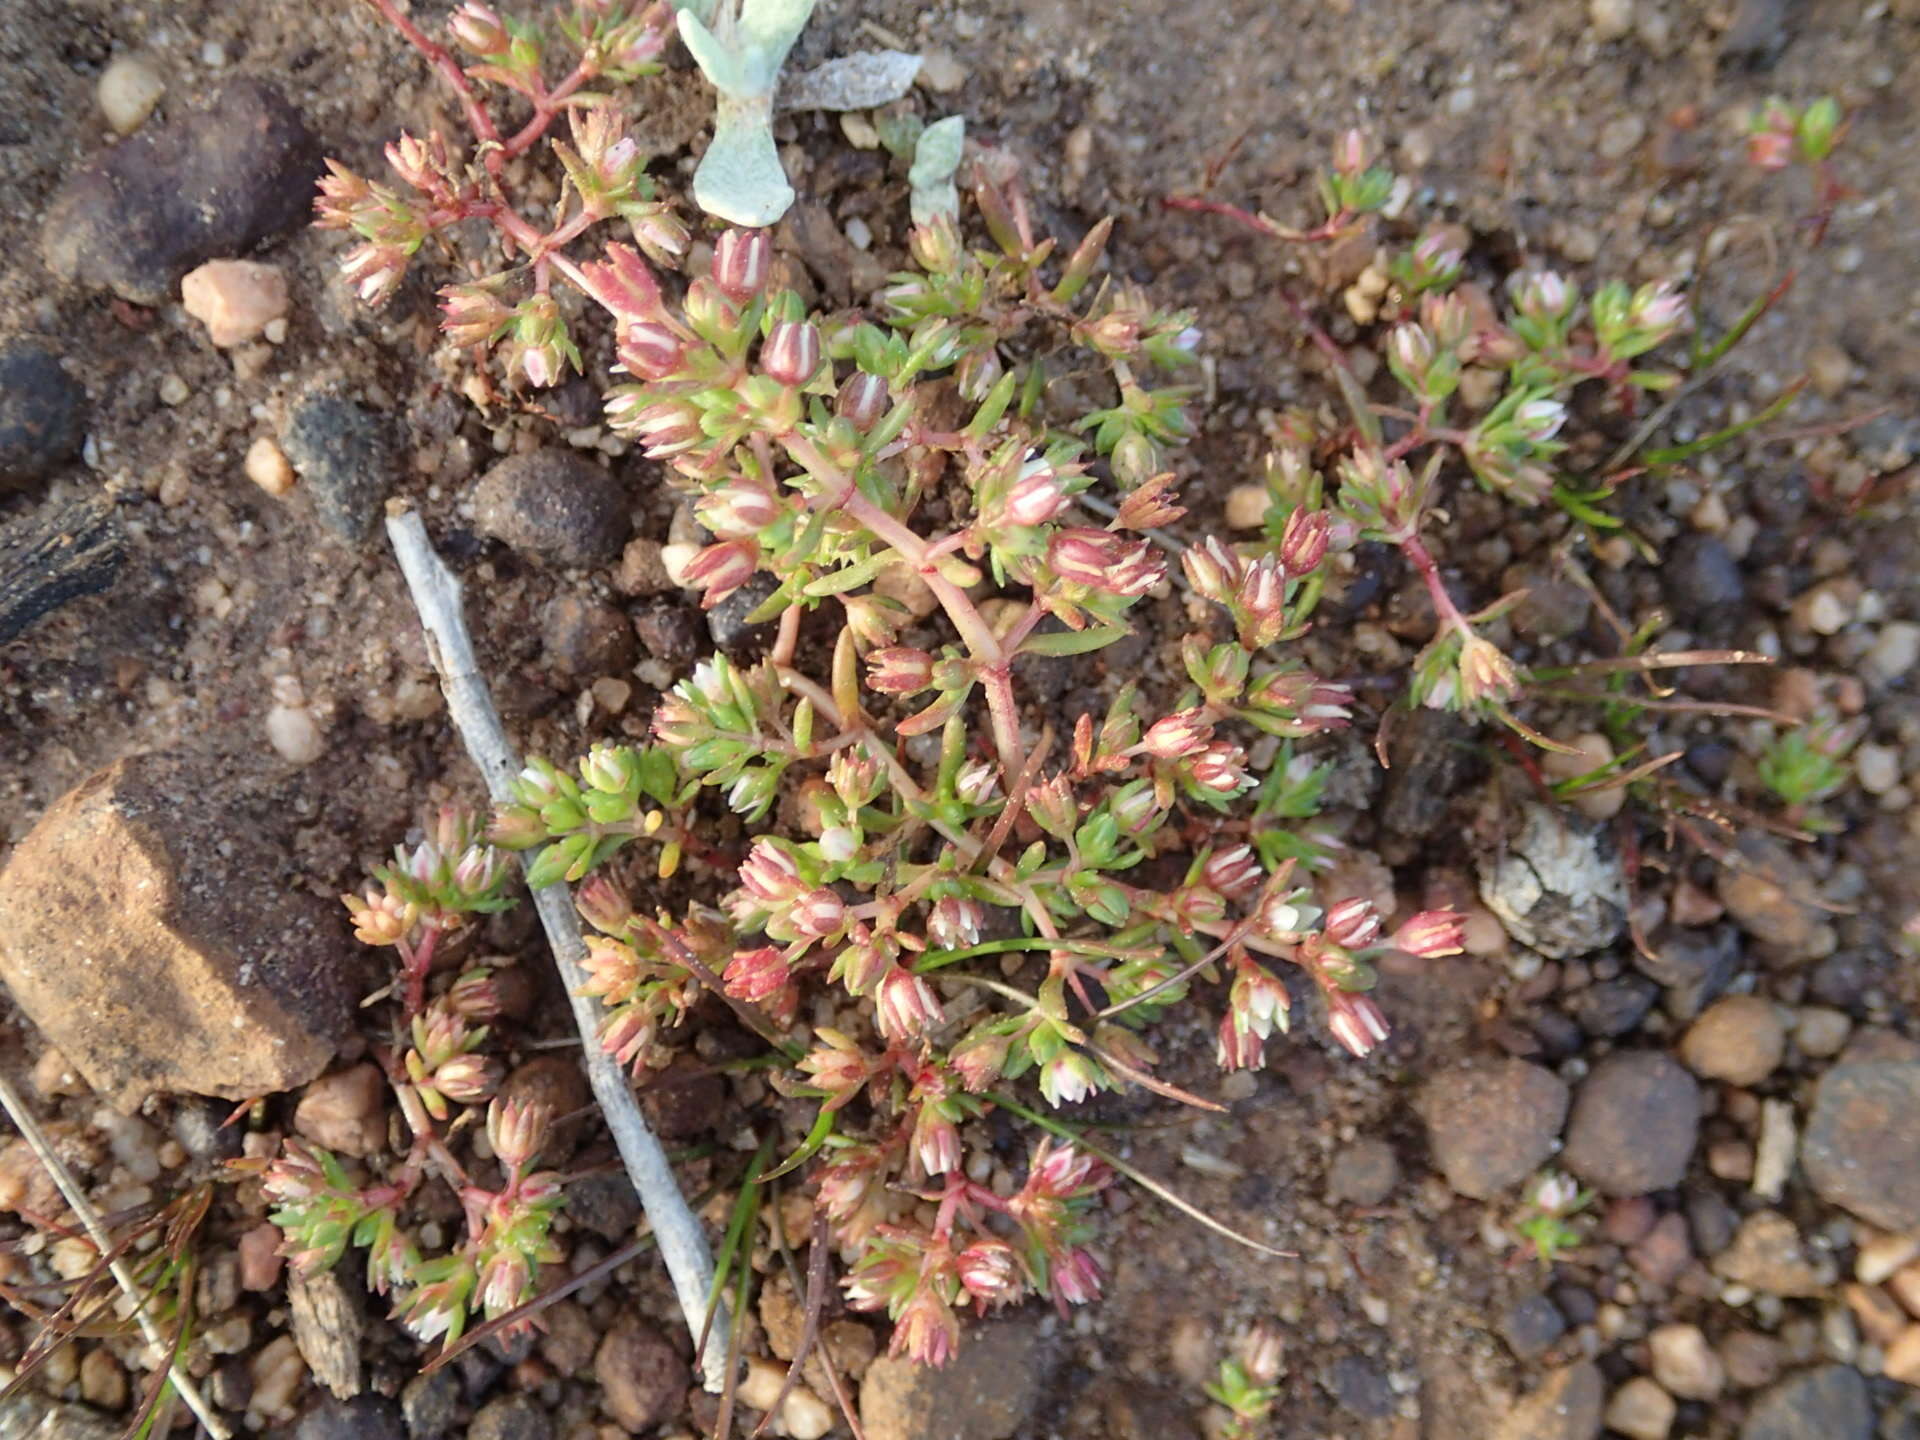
[[442, 60]]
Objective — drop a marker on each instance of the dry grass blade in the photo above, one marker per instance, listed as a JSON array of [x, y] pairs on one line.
[[30, 1129]]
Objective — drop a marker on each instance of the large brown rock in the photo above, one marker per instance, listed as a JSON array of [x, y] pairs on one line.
[[1862, 1146], [986, 1392], [148, 926]]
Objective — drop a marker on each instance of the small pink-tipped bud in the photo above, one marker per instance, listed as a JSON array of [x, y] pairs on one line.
[[374, 271], [1304, 545], [603, 905], [472, 315], [1036, 497], [976, 782], [650, 350], [721, 569], [1353, 924], [771, 875], [899, 670], [739, 508], [742, 261], [503, 1282], [905, 1005], [624, 283], [954, 923], [1350, 153], [477, 28], [936, 1142], [862, 400], [1262, 1352], [1234, 873], [1237, 1049], [988, 1272], [468, 1078], [1411, 350], [1104, 561], [820, 912], [1541, 294], [1486, 674], [1180, 733], [792, 352], [1214, 570], [1221, 767], [981, 1059], [1658, 307], [517, 1131], [1356, 1021], [1432, 933], [757, 975], [417, 161], [1077, 1279]]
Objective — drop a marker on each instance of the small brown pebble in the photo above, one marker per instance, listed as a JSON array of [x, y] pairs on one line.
[[260, 1257], [1738, 1039], [103, 1384], [1752, 1360], [268, 467], [1880, 1318], [1685, 1364], [1641, 1410], [345, 1111], [1903, 1358], [234, 299]]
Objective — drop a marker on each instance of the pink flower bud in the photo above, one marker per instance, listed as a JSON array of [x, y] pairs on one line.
[[1770, 150], [477, 28], [1356, 1021], [1432, 933], [1353, 924], [1036, 497], [980, 1060], [468, 1078], [1257, 1000], [988, 1272], [417, 161], [723, 568], [821, 912], [954, 923], [771, 875], [1181, 733], [1221, 767], [756, 975], [739, 509], [976, 782], [1234, 873], [517, 1131], [791, 354], [503, 1282], [1213, 569], [1304, 545], [1104, 561], [374, 271], [899, 670], [664, 428], [905, 1005], [1350, 153], [650, 350], [1237, 1049], [862, 400], [1077, 1278], [742, 261], [1411, 350], [1263, 593], [624, 283], [936, 1142]]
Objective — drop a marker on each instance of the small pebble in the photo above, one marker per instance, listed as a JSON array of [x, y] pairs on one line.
[[940, 71], [173, 390], [1247, 507], [1685, 1364], [103, 1384], [1880, 1259], [1739, 1039], [129, 88], [1895, 652], [1878, 768], [1830, 368], [1592, 751], [1610, 19], [345, 1111], [267, 466], [291, 728], [1621, 136], [235, 299], [1641, 1410]]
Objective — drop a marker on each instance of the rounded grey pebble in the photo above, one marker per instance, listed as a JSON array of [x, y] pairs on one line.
[[43, 414], [555, 506], [512, 1417]]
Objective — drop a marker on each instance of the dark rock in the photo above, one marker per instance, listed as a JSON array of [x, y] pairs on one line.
[[1613, 1007], [605, 1204], [201, 1129], [1556, 1033], [1664, 1251], [555, 506], [1123, 1408], [1710, 1220], [431, 1404], [364, 1417], [1491, 1124], [1712, 761], [43, 414], [1693, 966], [1553, 609], [1757, 34], [1702, 581], [643, 1380], [670, 632], [1565, 1407], [685, 1099], [1576, 1302], [1363, 1173], [1434, 755], [989, 1390], [1361, 1387], [346, 458], [1557, 885], [54, 556], [1843, 980], [1531, 1325], [727, 623], [586, 638], [207, 972], [511, 1417], [1861, 1149], [208, 183], [1829, 1403], [1633, 1126]]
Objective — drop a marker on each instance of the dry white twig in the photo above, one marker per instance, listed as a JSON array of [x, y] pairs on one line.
[[123, 1277], [683, 1244]]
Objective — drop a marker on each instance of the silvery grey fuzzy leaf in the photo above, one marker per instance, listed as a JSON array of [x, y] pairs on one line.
[[853, 82]]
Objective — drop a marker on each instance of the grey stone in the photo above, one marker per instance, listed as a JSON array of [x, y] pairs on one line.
[[1829, 1403], [727, 624], [1701, 578], [1557, 886], [511, 1417], [1634, 1123], [1492, 1123], [365, 1417], [1861, 1149], [346, 458], [209, 183], [554, 506], [43, 414], [1531, 1325], [988, 1391]]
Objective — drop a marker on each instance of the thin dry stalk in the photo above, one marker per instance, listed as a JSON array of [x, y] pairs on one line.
[[30, 1129], [683, 1243]]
